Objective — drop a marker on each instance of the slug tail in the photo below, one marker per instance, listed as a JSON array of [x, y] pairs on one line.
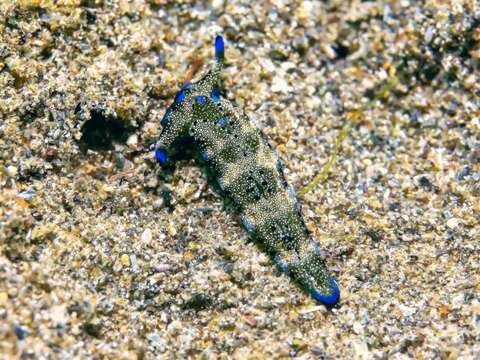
[[328, 300], [311, 274]]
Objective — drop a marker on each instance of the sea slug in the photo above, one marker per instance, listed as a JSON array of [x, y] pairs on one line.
[[248, 172]]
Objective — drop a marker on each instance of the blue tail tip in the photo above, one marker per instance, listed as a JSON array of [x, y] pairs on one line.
[[201, 100], [219, 47], [161, 156], [331, 299]]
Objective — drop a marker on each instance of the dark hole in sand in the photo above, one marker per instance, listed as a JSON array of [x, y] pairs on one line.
[[101, 131], [197, 302], [341, 50]]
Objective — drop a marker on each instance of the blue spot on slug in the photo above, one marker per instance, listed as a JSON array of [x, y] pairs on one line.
[[248, 226], [166, 117], [315, 247], [222, 122], [161, 156], [201, 100], [219, 48], [221, 184], [180, 97], [292, 195], [215, 95], [280, 264], [204, 156], [330, 300], [187, 86]]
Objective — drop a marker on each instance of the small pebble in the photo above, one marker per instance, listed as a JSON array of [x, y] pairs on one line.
[[125, 259], [134, 262], [12, 171], [27, 195], [250, 320], [453, 223], [154, 337], [132, 141], [146, 236], [464, 173], [172, 231], [3, 298], [20, 333]]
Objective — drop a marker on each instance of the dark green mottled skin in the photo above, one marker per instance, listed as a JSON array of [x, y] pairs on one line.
[[250, 174]]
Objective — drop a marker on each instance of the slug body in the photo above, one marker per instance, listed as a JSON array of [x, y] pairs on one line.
[[250, 173]]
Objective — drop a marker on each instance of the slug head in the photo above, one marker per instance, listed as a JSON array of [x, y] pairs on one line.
[[195, 101]]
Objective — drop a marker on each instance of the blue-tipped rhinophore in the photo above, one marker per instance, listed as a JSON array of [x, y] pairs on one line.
[[161, 156], [219, 48]]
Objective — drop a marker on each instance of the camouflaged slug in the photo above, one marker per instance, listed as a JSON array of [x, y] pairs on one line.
[[249, 172]]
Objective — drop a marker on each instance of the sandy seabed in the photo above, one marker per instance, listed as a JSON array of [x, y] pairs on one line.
[[103, 255]]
